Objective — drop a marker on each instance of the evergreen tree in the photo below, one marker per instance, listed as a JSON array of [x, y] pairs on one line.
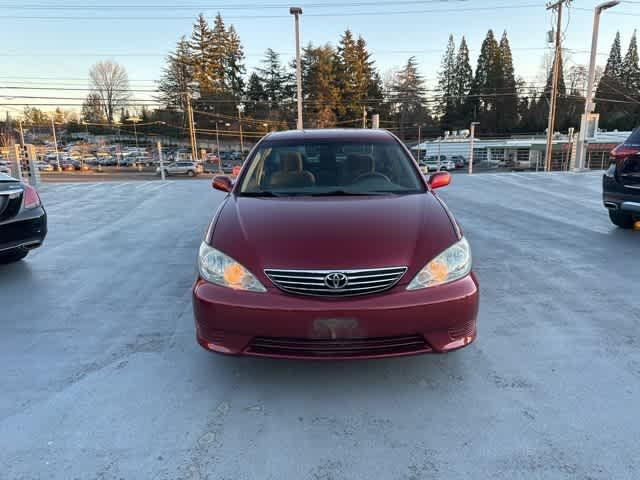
[[274, 78], [630, 71], [447, 86], [255, 96], [487, 81], [219, 57], [408, 102], [234, 65], [200, 46], [347, 67], [612, 87], [319, 85], [507, 99], [177, 76], [463, 85]]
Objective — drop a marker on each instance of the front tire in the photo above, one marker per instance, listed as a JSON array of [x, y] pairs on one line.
[[190, 173], [622, 220], [13, 256]]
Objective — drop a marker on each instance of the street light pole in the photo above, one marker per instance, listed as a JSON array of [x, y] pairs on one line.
[[296, 12], [472, 136], [589, 105], [419, 141], [55, 143]]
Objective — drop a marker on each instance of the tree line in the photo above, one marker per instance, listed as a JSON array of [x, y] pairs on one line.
[[342, 86]]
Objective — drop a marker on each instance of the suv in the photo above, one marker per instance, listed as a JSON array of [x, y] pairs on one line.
[[181, 168], [433, 165], [621, 183]]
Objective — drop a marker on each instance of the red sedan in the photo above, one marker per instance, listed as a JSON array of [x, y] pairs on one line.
[[332, 245]]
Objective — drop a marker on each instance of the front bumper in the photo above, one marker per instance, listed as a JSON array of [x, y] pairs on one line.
[[374, 326], [26, 231]]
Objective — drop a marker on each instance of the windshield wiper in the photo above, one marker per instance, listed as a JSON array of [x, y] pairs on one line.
[[343, 193], [266, 193]]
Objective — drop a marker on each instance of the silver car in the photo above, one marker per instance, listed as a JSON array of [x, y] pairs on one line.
[[181, 168]]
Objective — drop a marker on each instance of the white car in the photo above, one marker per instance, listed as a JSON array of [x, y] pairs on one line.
[[432, 165], [181, 168], [44, 167]]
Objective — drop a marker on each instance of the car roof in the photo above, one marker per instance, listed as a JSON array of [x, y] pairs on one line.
[[344, 134], [7, 178]]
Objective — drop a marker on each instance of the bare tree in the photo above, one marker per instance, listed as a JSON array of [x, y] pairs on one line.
[[109, 81]]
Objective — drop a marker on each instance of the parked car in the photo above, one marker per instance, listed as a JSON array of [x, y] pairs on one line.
[[181, 168], [285, 270], [433, 165], [5, 167], [23, 220], [621, 183], [459, 161], [44, 167], [143, 161]]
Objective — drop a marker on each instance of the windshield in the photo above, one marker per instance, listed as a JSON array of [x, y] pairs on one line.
[[331, 168]]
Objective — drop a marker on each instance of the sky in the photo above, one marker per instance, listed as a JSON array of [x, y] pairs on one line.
[[52, 44]]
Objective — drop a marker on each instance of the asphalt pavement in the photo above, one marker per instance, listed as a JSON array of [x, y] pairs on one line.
[[102, 377]]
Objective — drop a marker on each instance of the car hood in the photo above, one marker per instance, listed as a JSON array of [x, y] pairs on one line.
[[333, 233]]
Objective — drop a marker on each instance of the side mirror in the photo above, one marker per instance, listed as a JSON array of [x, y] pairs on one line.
[[222, 183], [439, 180]]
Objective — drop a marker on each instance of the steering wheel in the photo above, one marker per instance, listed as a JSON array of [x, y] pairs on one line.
[[370, 175]]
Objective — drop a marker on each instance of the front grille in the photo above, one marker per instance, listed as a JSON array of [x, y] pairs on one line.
[[314, 282], [353, 347]]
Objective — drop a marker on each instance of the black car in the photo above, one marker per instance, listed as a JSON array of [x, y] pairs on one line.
[[23, 220], [621, 183]]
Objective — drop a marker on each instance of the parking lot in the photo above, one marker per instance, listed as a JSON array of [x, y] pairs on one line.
[[102, 377]]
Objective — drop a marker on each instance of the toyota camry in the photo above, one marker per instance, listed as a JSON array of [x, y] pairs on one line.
[[331, 244]]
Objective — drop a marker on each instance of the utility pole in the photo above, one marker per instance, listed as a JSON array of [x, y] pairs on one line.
[[218, 147], [296, 12], [589, 105], [472, 136], [135, 121], [419, 141], [240, 110], [192, 133], [364, 117], [556, 6], [55, 143]]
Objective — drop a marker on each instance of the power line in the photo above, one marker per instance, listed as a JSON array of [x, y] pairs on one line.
[[283, 16]]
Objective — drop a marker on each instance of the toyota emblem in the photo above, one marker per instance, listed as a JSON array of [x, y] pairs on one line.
[[336, 281]]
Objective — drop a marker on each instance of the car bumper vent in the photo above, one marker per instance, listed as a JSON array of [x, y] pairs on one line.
[[466, 329], [354, 347]]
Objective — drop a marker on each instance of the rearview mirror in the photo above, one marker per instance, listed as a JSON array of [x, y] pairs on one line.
[[439, 180], [222, 183]]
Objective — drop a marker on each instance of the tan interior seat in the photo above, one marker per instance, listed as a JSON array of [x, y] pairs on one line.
[[291, 173]]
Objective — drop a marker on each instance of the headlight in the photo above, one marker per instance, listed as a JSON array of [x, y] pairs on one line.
[[452, 264], [216, 267]]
